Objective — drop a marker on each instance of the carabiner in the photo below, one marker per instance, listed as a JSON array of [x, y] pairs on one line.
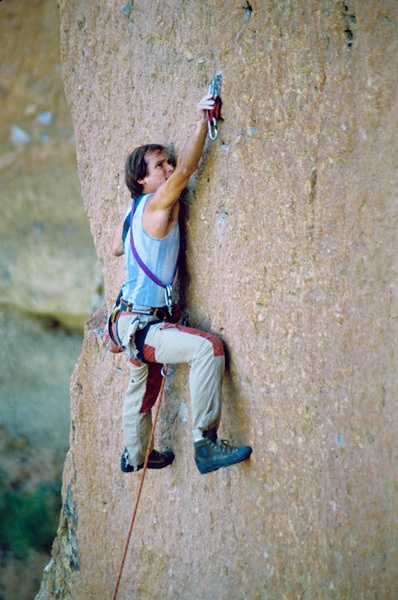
[[212, 127], [165, 371], [215, 85], [169, 297], [214, 114]]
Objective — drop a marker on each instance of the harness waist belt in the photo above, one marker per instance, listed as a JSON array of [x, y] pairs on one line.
[[162, 312]]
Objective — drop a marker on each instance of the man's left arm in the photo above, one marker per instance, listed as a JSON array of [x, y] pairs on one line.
[[117, 241]]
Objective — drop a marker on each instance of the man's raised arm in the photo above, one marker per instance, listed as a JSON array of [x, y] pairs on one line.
[[164, 183], [168, 194]]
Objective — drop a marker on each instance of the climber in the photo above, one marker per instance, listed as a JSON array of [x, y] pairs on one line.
[[147, 330]]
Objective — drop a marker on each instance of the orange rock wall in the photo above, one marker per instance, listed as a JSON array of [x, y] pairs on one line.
[[291, 259]]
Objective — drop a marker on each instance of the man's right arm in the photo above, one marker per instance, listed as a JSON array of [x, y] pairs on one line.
[[168, 194], [159, 208]]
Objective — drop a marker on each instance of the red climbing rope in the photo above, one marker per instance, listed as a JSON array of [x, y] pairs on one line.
[[159, 399]]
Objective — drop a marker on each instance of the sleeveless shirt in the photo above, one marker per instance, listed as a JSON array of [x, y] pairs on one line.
[[159, 255]]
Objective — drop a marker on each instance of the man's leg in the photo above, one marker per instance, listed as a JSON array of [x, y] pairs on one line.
[[173, 344], [141, 394], [137, 424], [205, 355]]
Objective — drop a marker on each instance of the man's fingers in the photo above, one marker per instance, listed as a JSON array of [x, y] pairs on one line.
[[207, 103]]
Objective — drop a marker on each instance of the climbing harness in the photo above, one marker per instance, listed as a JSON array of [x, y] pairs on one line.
[[214, 114], [121, 307], [159, 399]]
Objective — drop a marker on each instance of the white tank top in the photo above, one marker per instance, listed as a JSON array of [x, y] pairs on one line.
[[158, 255]]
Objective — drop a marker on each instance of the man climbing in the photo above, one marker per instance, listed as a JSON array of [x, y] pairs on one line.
[[150, 241]]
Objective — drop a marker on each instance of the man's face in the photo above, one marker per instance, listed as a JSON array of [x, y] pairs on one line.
[[158, 171]]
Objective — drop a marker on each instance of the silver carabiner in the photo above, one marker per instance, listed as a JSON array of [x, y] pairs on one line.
[[165, 371], [212, 126], [214, 89], [169, 297]]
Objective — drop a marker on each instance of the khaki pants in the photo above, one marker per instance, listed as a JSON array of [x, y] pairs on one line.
[[167, 343]]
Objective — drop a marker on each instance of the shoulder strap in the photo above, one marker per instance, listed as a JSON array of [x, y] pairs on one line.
[[126, 224]]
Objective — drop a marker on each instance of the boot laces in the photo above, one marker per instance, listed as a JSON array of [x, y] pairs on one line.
[[224, 446]]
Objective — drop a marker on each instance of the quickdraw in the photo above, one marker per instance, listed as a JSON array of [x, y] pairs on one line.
[[214, 114]]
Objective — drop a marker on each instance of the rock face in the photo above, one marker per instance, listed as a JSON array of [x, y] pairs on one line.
[[291, 259]]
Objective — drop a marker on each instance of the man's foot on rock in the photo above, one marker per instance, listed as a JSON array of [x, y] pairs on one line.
[[212, 455], [157, 460]]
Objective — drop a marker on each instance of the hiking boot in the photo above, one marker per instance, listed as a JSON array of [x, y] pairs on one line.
[[157, 460], [210, 455]]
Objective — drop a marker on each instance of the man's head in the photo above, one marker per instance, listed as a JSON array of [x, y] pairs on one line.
[[139, 162]]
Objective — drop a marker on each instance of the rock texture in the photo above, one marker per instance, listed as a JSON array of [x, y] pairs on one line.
[[291, 259]]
